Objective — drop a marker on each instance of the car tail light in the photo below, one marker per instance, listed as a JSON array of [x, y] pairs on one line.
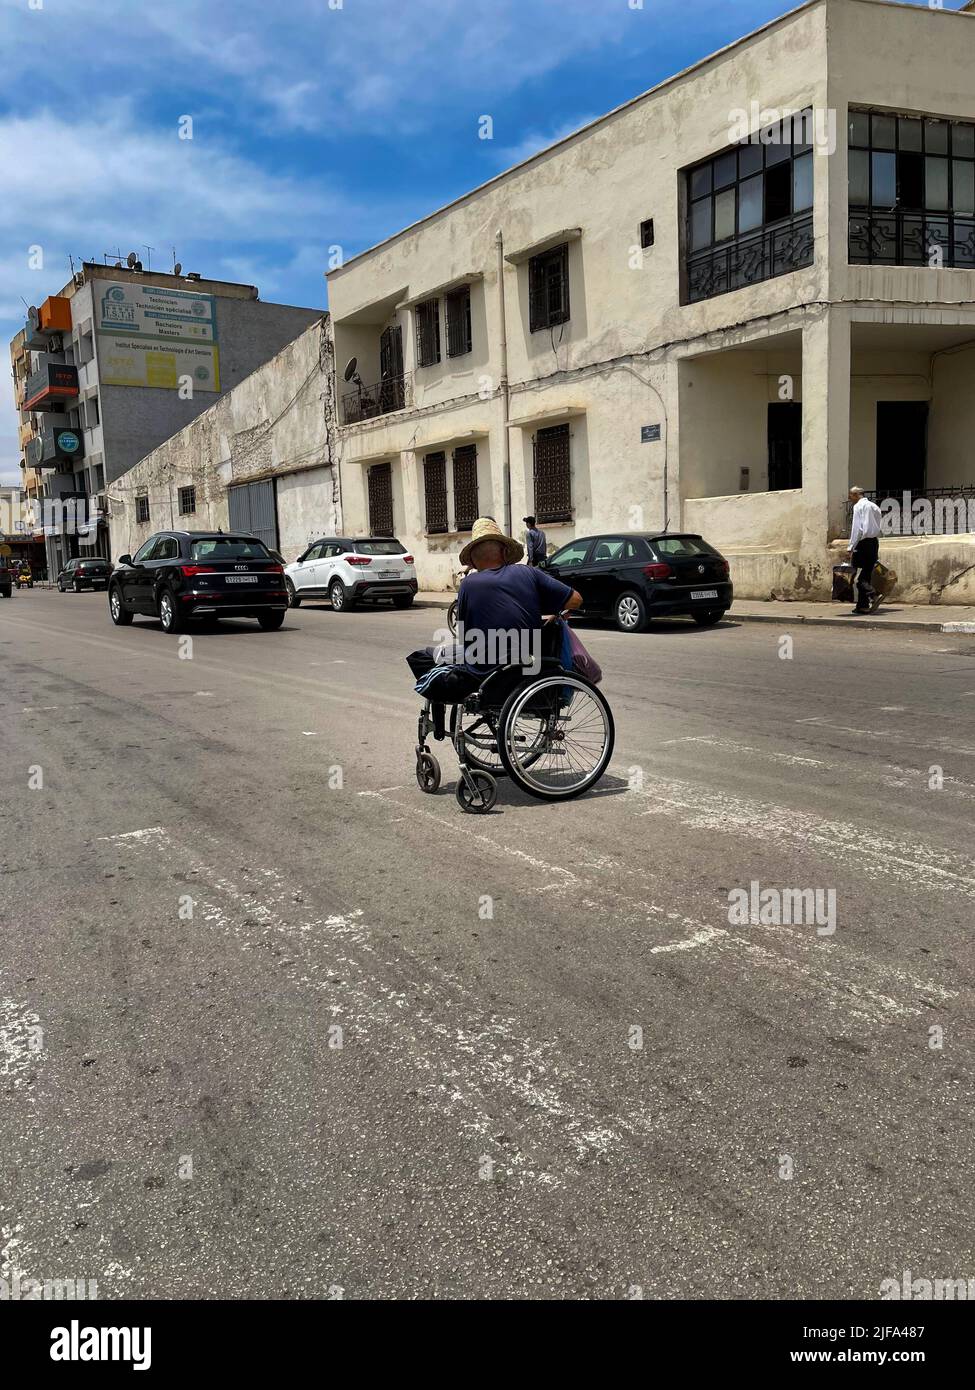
[[358, 559], [188, 571], [274, 569], [658, 571], [725, 568], [407, 559]]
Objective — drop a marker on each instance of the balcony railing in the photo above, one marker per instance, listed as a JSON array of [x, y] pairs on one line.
[[751, 258], [943, 511], [366, 402], [911, 238]]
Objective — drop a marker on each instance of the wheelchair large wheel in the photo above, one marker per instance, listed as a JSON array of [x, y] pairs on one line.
[[578, 736]]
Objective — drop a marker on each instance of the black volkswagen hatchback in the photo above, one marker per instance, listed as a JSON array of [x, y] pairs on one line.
[[178, 576], [641, 575]]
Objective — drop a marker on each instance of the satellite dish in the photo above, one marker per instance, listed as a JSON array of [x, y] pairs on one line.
[[350, 367], [118, 265], [132, 260], [178, 268]]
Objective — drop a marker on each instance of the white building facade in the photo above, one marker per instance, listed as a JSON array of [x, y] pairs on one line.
[[702, 312]]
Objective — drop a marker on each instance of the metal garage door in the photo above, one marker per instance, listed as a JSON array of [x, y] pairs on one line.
[[253, 510]]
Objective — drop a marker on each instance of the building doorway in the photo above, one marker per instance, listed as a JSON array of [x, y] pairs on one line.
[[253, 511], [381, 500], [902, 447], [784, 445]]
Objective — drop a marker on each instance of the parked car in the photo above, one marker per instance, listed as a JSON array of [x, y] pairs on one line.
[[85, 574], [178, 576], [347, 571], [6, 578], [641, 575]]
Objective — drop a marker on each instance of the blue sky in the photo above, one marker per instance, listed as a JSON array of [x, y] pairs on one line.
[[315, 122]]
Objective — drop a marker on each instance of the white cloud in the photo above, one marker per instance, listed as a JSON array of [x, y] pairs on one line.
[[536, 140]]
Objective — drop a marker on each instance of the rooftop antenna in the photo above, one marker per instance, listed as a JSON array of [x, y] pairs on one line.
[[149, 251], [175, 262]]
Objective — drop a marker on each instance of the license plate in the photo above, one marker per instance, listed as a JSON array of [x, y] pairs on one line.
[[242, 578], [704, 593], [387, 574]]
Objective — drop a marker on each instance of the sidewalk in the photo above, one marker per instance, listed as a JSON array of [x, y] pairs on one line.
[[914, 617]]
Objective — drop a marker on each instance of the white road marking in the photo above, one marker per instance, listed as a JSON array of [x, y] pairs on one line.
[[152, 832]]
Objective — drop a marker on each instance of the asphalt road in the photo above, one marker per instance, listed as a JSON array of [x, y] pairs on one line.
[[196, 914]]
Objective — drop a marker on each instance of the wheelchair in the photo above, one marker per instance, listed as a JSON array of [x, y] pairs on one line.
[[550, 731]]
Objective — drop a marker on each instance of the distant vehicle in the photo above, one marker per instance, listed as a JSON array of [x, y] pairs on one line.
[[23, 577], [6, 578], [349, 571], [180, 576], [642, 575], [84, 574]]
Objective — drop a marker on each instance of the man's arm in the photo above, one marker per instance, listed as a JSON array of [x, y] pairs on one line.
[[856, 530], [574, 601]]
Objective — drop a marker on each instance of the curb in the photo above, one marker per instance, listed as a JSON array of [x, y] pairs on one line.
[[873, 624]]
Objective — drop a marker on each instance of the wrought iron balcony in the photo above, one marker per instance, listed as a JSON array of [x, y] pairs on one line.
[[751, 258], [366, 402], [929, 240]]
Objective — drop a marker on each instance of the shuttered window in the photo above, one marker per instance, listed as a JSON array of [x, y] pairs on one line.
[[553, 474], [381, 500], [428, 333], [465, 487], [187, 501], [548, 288], [435, 491], [457, 306], [142, 509]]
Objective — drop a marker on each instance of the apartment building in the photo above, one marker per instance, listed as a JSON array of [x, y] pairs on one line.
[[117, 361], [258, 460], [713, 309]]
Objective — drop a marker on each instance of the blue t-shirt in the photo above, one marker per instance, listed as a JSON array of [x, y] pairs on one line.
[[496, 602]]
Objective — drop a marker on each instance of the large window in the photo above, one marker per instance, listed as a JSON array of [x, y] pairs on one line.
[[553, 474], [142, 510], [187, 501], [548, 288], [428, 333], [435, 491], [912, 190], [749, 210], [457, 306], [465, 487]]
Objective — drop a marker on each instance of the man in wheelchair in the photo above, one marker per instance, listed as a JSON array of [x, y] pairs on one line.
[[506, 648]]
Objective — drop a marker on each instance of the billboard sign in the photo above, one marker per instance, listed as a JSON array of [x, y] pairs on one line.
[[153, 336]]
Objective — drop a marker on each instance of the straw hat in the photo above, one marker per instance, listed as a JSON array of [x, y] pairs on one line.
[[486, 529]]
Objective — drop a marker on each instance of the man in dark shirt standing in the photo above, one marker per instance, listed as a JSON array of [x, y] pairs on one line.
[[536, 543]]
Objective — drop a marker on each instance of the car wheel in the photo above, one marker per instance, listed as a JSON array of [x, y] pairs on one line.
[[169, 614], [341, 603], [403, 601], [120, 614], [708, 619], [631, 612], [60, 586], [293, 600], [270, 621], [77, 586]]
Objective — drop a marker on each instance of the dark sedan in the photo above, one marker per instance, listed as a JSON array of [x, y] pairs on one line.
[[179, 576], [85, 574], [639, 576]]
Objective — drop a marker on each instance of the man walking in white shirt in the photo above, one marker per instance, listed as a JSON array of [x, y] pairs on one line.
[[864, 546]]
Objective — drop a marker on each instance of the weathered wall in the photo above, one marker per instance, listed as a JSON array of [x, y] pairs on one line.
[[277, 422]]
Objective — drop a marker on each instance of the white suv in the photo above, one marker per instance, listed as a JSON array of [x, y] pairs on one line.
[[347, 571]]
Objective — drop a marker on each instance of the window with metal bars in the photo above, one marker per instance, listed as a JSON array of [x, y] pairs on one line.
[[548, 288], [435, 491], [428, 333], [457, 308], [381, 499], [553, 474], [465, 487], [187, 500], [142, 509], [646, 233]]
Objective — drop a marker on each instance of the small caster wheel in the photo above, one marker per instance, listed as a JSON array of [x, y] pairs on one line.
[[427, 772], [484, 795]]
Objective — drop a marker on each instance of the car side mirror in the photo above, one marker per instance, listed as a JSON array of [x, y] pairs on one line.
[[125, 559]]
